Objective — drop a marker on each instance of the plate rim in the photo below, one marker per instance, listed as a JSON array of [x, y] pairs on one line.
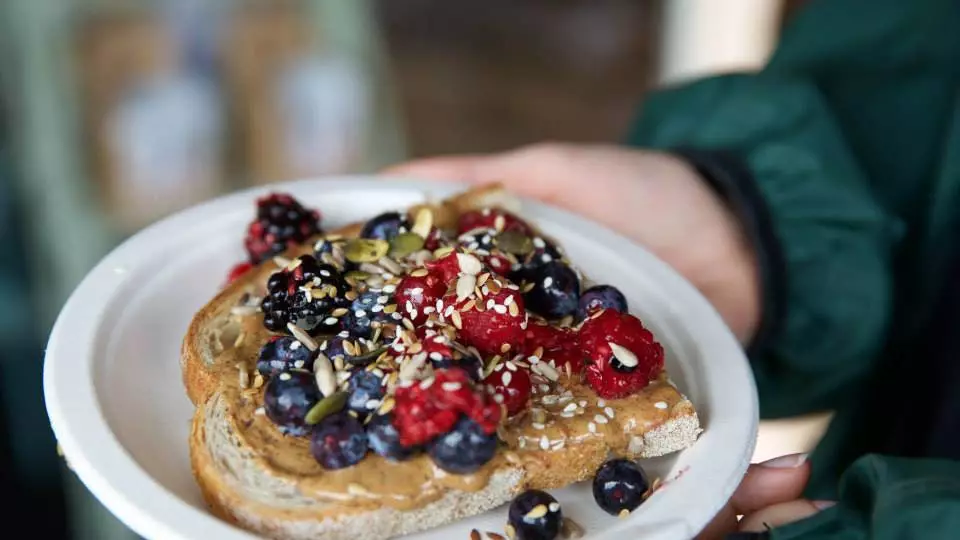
[[89, 444]]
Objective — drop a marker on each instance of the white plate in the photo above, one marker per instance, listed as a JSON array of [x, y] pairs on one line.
[[118, 407]]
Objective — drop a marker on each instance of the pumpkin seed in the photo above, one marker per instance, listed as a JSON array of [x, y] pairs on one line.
[[325, 407], [356, 275], [404, 244], [514, 242], [361, 250]]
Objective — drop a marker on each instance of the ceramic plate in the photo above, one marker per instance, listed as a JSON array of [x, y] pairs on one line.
[[118, 407]]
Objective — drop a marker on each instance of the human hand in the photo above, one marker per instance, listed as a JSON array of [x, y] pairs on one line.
[[653, 198], [768, 496]]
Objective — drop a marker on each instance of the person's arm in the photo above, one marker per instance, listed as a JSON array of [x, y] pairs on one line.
[[887, 498], [770, 147]]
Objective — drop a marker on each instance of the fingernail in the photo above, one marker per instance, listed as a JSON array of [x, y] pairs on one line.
[[823, 505], [786, 462]]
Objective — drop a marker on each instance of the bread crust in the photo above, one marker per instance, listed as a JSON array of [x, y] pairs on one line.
[[236, 498]]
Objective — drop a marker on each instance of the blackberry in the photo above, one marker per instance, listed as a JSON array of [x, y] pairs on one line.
[[287, 301], [479, 241], [281, 222]]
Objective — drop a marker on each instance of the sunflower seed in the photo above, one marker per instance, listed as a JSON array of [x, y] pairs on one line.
[[469, 264], [623, 355], [326, 379], [303, 337], [391, 265], [465, 286], [536, 512]]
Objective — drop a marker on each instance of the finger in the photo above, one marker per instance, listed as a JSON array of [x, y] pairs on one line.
[[781, 514], [463, 168], [775, 481], [722, 525]]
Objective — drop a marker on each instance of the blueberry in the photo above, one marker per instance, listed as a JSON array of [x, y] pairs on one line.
[[384, 226], [338, 441], [288, 397], [543, 252], [283, 354], [620, 485], [556, 290], [534, 515], [467, 362], [384, 439], [601, 297], [464, 449], [332, 252], [480, 241], [366, 312], [365, 386]]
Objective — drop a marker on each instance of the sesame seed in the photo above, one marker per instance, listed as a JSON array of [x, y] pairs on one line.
[[554, 507], [284, 376], [609, 411], [601, 403], [510, 365], [537, 425], [498, 398], [451, 386], [507, 378], [296, 345], [544, 443], [600, 419], [570, 407], [500, 309], [660, 404], [260, 411], [591, 427]]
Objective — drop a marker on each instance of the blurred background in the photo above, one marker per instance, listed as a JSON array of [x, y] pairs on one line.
[[114, 114]]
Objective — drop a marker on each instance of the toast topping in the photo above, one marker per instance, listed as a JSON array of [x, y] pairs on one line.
[[282, 222], [431, 351]]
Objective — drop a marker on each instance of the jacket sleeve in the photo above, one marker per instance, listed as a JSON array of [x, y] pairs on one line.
[[887, 498], [771, 148]]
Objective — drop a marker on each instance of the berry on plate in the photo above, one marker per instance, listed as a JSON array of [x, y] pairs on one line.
[[367, 312], [281, 222], [601, 297], [622, 355], [534, 515], [620, 486], [338, 441], [288, 397], [463, 449], [366, 391], [283, 353]]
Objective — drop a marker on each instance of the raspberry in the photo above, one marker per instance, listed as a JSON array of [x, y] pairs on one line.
[[238, 270], [494, 218], [417, 294], [541, 334], [446, 267], [281, 222], [429, 409], [622, 355], [509, 384], [491, 323]]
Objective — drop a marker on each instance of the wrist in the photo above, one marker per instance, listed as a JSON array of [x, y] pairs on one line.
[[750, 284]]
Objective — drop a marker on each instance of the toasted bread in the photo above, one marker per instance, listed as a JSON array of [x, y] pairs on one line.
[[252, 475]]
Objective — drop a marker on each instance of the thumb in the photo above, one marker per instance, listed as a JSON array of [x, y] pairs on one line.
[[474, 169]]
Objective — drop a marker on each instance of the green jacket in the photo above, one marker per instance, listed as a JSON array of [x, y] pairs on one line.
[[851, 134]]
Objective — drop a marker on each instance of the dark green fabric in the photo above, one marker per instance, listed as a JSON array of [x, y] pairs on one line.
[[852, 133]]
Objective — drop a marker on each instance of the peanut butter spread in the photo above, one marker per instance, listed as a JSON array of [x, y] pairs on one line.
[[563, 415]]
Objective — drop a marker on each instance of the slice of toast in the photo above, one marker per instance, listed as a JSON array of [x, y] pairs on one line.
[[252, 475]]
